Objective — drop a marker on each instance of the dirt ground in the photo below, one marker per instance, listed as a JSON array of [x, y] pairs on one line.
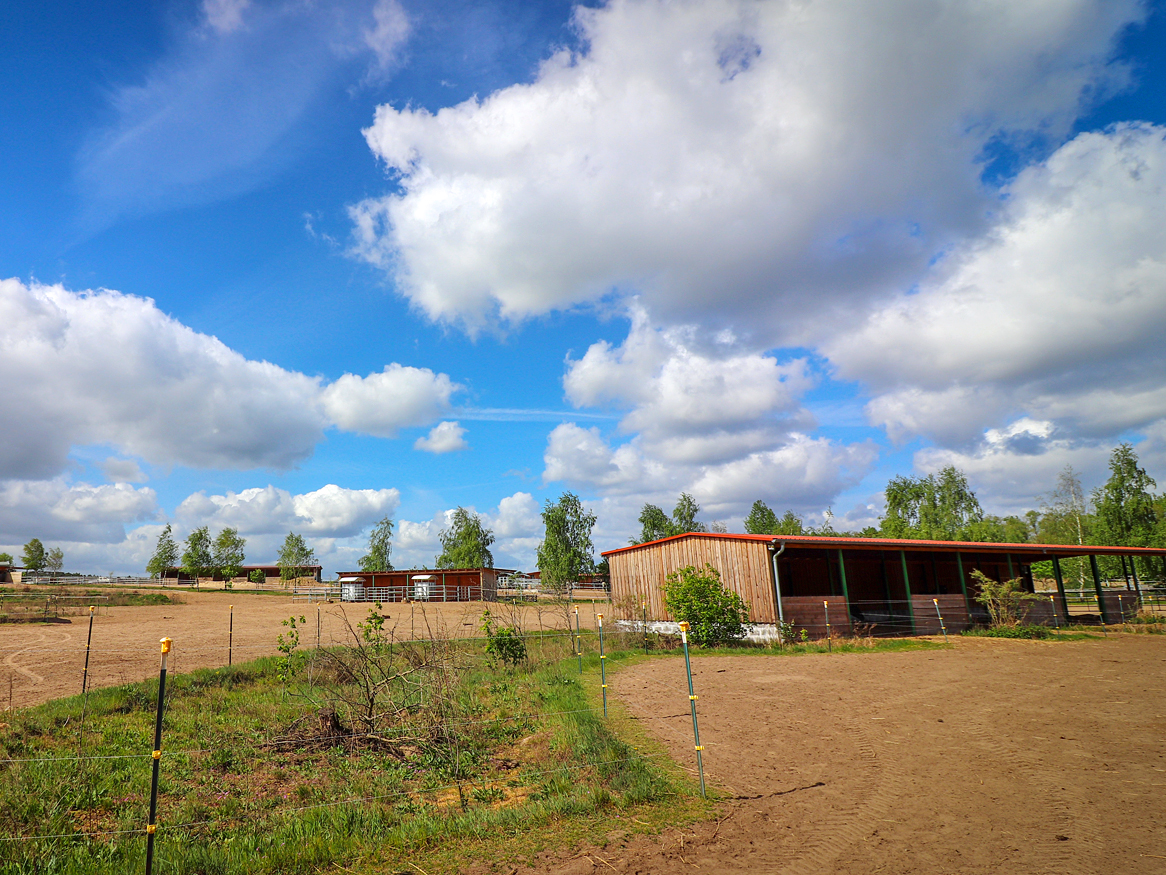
[[39, 662], [994, 756]]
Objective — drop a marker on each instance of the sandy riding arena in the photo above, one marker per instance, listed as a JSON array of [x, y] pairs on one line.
[[991, 757], [39, 662]]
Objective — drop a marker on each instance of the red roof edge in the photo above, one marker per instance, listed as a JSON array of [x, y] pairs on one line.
[[905, 543]]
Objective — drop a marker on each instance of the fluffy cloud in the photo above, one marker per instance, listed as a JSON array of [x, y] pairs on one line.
[[1058, 314], [101, 367], [804, 473], [330, 512], [770, 151], [379, 404], [55, 510], [445, 437], [691, 402]]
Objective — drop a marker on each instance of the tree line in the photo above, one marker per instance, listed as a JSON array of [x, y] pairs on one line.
[[34, 557], [1123, 511]]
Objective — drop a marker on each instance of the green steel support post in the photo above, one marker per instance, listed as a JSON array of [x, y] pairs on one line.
[[1097, 589], [1137, 587], [1011, 573], [1061, 587], [959, 564], [907, 587], [842, 569]]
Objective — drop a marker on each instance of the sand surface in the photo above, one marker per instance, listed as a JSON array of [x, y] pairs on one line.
[[992, 757]]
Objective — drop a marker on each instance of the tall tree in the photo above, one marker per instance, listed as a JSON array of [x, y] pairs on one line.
[[294, 557], [566, 552], [6, 558], [55, 560], [197, 559], [229, 557], [684, 515], [789, 524], [465, 542], [761, 519], [1066, 518], [380, 547], [165, 554], [938, 507], [654, 525], [1125, 507], [33, 558]]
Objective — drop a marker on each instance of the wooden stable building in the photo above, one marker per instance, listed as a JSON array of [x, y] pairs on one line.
[[880, 585], [422, 585]]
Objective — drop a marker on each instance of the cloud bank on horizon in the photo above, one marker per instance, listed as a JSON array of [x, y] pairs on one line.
[[884, 206]]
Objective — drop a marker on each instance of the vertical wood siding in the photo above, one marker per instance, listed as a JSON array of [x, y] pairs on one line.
[[638, 575]]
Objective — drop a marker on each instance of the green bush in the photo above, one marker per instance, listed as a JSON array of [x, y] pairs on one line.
[[1018, 631], [715, 614], [257, 576], [503, 642]]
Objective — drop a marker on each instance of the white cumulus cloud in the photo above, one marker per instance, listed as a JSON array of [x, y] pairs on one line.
[[56, 510], [445, 437], [329, 512], [725, 155], [380, 404], [102, 367], [691, 401], [1057, 315]]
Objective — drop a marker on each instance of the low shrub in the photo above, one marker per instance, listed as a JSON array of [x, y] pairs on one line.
[[715, 614]]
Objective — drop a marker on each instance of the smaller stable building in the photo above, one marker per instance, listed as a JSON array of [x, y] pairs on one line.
[[422, 585], [881, 586], [271, 574]]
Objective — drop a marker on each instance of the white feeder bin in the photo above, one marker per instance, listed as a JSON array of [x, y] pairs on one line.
[[352, 589], [421, 586]]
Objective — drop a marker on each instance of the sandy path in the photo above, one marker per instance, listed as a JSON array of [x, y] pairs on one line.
[[991, 757], [39, 662]]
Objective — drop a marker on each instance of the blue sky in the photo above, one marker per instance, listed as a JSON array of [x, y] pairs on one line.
[[296, 266]]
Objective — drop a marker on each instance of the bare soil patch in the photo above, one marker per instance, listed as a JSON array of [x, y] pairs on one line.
[[39, 662], [993, 756]]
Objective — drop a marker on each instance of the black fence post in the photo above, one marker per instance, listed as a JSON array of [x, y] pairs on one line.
[[151, 826]]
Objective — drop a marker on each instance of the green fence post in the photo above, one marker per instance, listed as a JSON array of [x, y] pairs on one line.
[[602, 665], [578, 640], [942, 627], [692, 702], [231, 637], [152, 826]]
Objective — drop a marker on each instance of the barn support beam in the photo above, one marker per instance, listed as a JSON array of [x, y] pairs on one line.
[[959, 564], [1137, 587], [907, 588], [1011, 573], [1097, 589], [1061, 587], [842, 574]]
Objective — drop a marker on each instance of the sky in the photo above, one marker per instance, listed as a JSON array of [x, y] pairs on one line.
[[293, 265]]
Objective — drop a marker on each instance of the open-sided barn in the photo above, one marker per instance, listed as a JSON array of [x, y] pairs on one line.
[[892, 585], [422, 584]]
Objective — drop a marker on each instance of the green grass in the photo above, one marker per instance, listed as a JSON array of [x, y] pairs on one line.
[[524, 762]]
